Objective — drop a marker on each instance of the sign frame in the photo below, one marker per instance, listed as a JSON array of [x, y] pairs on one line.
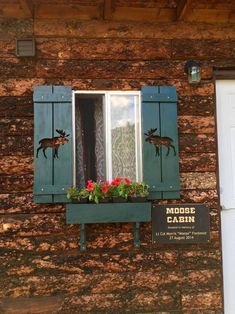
[[180, 223]]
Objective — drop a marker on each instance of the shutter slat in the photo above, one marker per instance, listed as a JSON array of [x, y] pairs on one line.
[[151, 164], [170, 163], [51, 189], [43, 116], [150, 97], [63, 171], [52, 110], [159, 110], [41, 97]]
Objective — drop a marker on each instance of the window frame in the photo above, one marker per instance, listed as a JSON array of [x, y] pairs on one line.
[[138, 115]]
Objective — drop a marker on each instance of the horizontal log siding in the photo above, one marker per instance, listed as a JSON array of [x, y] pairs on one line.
[[41, 263]]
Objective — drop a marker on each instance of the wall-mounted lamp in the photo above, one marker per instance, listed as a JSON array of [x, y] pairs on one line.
[[193, 70]]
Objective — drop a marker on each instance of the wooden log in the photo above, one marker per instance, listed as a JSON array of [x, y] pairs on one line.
[[16, 165], [197, 162], [197, 180], [16, 126], [70, 69], [111, 69], [35, 225], [22, 203], [18, 86], [105, 242], [203, 49], [102, 49], [16, 145], [15, 28], [196, 124], [16, 67], [186, 89], [87, 29], [31, 286], [45, 304], [196, 105], [199, 143], [207, 197], [7, 49], [76, 262], [203, 280], [16, 183], [135, 301], [197, 260], [189, 280], [88, 303], [24, 87], [16, 107], [203, 301]]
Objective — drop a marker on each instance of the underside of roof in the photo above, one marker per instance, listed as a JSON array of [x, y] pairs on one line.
[[152, 11]]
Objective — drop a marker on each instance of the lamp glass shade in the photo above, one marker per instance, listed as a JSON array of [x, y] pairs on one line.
[[194, 74]]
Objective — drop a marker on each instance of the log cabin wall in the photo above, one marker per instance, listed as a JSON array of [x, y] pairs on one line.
[[42, 269]]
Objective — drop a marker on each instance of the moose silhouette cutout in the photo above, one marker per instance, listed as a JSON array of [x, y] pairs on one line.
[[158, 141], [53, 143]]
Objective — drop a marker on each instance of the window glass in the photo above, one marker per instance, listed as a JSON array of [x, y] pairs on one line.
[[107, 136], [123, 135]]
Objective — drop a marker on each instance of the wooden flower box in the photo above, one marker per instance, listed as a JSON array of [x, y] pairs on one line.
[[108, 213]]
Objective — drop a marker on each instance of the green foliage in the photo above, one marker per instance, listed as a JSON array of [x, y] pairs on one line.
[[74, 193], [139, 189], [119, 187]]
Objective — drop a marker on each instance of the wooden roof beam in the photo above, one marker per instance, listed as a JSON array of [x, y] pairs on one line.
[[27, 7], [182, 9], [108, 9]]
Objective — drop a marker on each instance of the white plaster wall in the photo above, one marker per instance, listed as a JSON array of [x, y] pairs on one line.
[[228, 254]]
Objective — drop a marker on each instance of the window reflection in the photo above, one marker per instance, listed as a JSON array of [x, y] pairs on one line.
[[123, 135]]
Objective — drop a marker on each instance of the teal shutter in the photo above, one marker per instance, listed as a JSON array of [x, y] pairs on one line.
[[159, 110], [52, 176]]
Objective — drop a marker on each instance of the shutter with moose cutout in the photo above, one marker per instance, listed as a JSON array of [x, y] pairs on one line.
[[160, 141], [52, 173]]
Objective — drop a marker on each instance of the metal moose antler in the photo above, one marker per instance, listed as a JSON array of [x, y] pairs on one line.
[[158, 141], [53, 142]]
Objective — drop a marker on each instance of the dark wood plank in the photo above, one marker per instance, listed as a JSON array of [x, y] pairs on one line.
[[190, 162], [182, 9], [180, 30], [27, 7], [36, 305], [16, 145], [196, 124], [101, 49]]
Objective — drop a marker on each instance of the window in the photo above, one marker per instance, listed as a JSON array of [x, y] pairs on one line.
[[107, 137]]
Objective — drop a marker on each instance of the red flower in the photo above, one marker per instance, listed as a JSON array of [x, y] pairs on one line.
[[90, 185], [127, 181], [116, 181], [105, 189]]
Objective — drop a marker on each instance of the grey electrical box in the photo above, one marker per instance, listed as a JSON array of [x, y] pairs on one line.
[[25, 47]]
